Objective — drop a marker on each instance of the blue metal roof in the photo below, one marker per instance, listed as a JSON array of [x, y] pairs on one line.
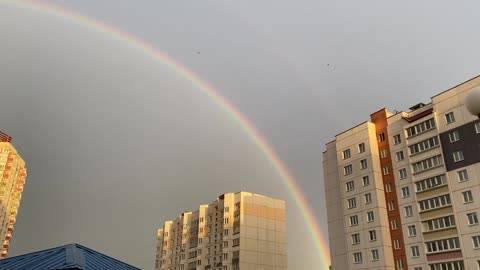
[[73, 256]]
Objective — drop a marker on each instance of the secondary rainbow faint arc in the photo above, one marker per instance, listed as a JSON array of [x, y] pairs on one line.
[[206, 88]]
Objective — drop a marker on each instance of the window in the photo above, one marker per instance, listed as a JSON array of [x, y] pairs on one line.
[[405, 192], [225, 244], [394, 224], [346, 154], [456, 265], [391, 205], [370, 216], [365, 181], [350, 185], [454, 136], [449, 118], [402, 173], [400, 156], [415, 251], [388, 187], [361, 148], [424, 145], [383, 153], [442, 245], [375, 256], [368, 198], [476, 241], [438, 224], [421, 127], [467, 196], [373, 235], [354, 220], [352, 203], [477, 127], [458, 156], [236, 242], [435, 203], [412, 231], [472, 218], [396, 243], [347, 170], [363, 164], [408, 211], [427, 164], [386, 170], [462, 176], [355, 238], [357, 257], [400, 264], [381, 137], [397, 139], [431, 183]]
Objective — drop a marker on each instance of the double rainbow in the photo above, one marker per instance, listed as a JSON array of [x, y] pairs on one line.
[[207, 89]]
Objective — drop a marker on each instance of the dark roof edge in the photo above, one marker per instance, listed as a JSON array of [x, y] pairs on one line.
[[351, 128], [476, 77]]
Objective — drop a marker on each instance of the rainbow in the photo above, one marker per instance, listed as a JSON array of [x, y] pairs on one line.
[[136, 43]]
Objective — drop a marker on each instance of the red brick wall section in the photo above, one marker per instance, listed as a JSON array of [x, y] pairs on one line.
[[380, 120]]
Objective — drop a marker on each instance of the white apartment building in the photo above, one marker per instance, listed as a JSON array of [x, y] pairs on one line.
[[238, 231], [424, 179]]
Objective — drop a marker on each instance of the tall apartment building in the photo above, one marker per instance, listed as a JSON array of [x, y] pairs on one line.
[[238, 231], [13, 173], [401, 188]]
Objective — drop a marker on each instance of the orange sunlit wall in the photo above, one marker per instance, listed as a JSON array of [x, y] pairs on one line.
[[380, 120]]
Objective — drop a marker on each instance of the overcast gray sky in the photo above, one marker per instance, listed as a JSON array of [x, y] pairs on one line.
[[116, 143]]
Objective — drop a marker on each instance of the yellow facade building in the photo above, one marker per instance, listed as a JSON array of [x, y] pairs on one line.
[[13, 174], [238, 231]]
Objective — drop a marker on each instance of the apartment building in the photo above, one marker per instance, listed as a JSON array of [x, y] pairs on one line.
[[13, 174], [238, 231], [410, 180]]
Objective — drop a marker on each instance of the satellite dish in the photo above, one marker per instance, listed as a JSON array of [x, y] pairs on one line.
[[472, 102]]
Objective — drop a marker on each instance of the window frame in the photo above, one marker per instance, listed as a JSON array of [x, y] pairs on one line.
[[365, 181], [458, 156], [408, 211], [472, 217], [400, 156], [397, 139], [370, 216], [467, 196], [361, 148], [454, 136], [462, 174], [449, 118]]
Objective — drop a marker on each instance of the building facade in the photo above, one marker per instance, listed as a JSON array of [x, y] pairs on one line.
[[401, 188], [13, 174], [238, 231]]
